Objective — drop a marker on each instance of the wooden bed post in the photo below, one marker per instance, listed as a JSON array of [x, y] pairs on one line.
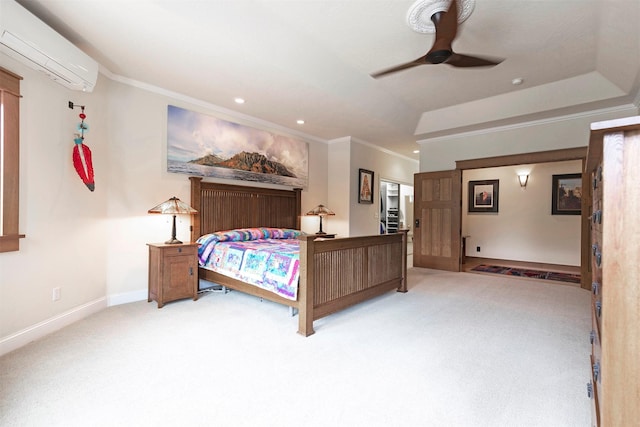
[[306, 287], [298, 192], [403, 285], [195, 204]]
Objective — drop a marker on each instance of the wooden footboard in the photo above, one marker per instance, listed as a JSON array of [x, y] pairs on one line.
[[334, 273], [338, 273]]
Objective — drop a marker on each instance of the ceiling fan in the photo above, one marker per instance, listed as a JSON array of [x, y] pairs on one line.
[[446, 29]]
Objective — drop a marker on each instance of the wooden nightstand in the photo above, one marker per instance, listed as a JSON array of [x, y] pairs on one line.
[[173, 272]]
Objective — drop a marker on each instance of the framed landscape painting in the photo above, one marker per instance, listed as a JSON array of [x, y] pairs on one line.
[[203, 145], [483, 195], [566, 194]]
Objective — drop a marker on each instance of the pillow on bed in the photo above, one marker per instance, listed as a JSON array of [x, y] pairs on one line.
[[244, 234]]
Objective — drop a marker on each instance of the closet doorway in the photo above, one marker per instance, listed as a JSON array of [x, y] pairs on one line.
[[389, 207], [396, 207]]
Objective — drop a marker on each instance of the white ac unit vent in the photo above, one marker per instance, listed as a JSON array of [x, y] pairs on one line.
[[29, 40]]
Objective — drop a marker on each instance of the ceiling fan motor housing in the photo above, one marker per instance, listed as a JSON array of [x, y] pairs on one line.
[[438, 56]]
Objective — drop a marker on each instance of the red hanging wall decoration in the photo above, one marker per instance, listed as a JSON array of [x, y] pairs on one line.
[[81, 153]]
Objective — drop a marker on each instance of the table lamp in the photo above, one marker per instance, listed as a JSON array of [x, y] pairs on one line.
[[173, 206], [320, 211]]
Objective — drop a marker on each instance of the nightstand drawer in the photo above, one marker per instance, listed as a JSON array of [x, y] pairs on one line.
[[180, 250]]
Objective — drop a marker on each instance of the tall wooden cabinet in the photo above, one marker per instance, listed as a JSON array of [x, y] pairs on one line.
[[613, 165]]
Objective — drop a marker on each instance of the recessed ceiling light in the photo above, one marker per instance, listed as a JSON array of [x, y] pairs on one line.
[[300, 121], [517, 81], [416, 151], [239, 101]]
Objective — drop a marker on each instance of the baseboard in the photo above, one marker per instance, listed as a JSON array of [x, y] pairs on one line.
[[39, 330], [127, 297], [142, 295]]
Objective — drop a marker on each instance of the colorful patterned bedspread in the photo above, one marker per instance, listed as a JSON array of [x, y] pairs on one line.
[[264, 257]]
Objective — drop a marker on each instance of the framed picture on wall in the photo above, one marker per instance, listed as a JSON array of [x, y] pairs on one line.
[[566, 194], [365, 184], [483, 195], [203, 145]]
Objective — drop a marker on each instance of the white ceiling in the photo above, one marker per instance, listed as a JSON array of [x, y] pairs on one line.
[[312, 60]]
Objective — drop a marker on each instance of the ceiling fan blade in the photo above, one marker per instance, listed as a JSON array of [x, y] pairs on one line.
[[414, 63], [459, 60]]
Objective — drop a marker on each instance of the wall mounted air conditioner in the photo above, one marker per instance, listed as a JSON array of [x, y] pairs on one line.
[[29, 40]]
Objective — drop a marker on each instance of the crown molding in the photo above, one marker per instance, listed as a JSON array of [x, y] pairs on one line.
[[373, 146], [246, 119], [530, 123]]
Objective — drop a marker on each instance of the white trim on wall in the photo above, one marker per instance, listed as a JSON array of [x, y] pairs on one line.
[[624, 109], [127, 297], [39, 330], [211, 108], [384, 150]]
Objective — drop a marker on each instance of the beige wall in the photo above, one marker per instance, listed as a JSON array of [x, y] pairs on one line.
[[523, 229], [338, 198], [531, 234], [139, 180], [65, 244], [568, 132], [365, 219], [346, 157], [92, 245]]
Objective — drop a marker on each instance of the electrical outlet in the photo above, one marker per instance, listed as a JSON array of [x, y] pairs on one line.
[[56, 294], [477, 248]]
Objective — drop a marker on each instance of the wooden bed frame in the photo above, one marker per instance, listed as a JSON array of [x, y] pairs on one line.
[[334, 273]]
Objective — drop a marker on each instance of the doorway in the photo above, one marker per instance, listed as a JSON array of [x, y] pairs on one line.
[[396, 209], [389, 207], [396, 206], [432, 216]]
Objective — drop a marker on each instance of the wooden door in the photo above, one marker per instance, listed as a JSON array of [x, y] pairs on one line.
[[437, 220]]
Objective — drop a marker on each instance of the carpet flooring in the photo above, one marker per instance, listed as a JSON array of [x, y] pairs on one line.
[[457, 350], [528, 273]]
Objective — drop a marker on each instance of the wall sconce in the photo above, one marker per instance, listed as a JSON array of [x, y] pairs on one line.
[[173, 206], [523, 178], [320, 211]]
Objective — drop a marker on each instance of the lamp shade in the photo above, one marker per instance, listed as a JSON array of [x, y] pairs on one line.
[[523, 178], [321, 211], [173, 206]]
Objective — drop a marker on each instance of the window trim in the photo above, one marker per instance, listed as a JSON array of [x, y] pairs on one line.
[[9, 161]]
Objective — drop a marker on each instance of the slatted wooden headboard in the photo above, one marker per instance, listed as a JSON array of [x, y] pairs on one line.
[[225, 207]]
